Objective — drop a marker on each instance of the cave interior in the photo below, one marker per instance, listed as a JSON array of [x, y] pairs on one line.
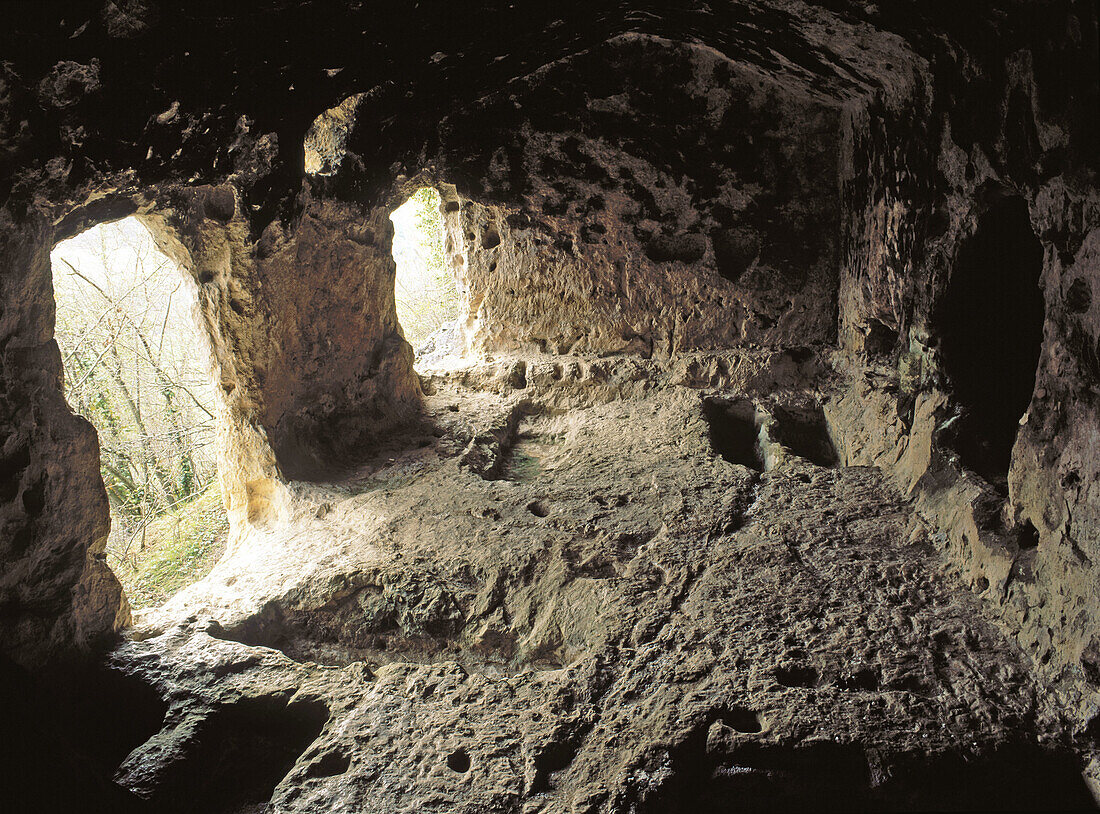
[[760, 468]]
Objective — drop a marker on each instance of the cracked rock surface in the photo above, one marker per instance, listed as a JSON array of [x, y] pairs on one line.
[[765, 471], [613, 616]]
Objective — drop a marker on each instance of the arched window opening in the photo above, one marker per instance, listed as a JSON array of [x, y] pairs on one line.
[[429, 300], [137, 368], [991, 324]]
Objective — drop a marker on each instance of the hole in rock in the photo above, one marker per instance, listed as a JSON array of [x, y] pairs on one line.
[[12, 467], [538, 508], [796, 675], [864, 679], [846, 777], [991, 324], [429, 302], [128, 335], [741, 720], [63, 740], [805, 432], [110, 714], [555, 756], [1090, 662], [880, 340], [237, 756], [733, 431], [490, 239], [329, 765], [1027, 536], [1079, 296], [1092, 730], [459, 761]]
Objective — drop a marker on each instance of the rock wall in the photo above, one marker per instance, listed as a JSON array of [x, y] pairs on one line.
[[785, 174], [683, 201], [1055, 474], [56, 590], [201, 230], [923, 178], [336, 374]]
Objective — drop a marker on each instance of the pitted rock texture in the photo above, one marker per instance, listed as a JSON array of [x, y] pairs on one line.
[[816, 148], [716, 265], [614, 618], [634, 233]]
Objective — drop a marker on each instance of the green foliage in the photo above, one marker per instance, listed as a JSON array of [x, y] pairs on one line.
[[426, 292], [429, 224], [125, 326], [522, 466], [171, 552]]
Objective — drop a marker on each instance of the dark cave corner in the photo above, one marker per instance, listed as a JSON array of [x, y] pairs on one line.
[[734, 431], [880, 342], [716, 765], [75, 730], [805, 432], [234, 760], [991, 325]]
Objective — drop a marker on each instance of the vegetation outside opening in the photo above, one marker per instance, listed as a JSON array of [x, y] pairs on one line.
[[136, 368], [427, 295]]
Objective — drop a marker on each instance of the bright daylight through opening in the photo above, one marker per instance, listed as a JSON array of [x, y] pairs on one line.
[[135, 367], [429, 302]]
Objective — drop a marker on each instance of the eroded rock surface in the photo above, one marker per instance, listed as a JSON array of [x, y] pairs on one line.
[[564, 597], [764, 466]]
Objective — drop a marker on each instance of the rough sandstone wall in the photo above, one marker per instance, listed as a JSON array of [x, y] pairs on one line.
[[920, 177], [56, 591], [653, 197], [816, 176], [303, 342], [202, 231], [1055, 477], [336, 374], [680, 201]]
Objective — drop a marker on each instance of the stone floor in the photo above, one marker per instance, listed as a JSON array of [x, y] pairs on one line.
[[593, 586]]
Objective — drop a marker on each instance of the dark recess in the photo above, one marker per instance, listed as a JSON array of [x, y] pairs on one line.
[[797, 675], [733, 431], [329, 765], [991, 324], [741, 720], [111, 714], [1027, 536], [881, 340], [1092, 730], [238, 755], [845, 777], [459, 761], [555, 756], [59, 745], [490, 239], [805, 432]]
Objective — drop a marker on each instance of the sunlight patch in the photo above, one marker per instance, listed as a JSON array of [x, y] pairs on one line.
[[429, 303], [137, 367]]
